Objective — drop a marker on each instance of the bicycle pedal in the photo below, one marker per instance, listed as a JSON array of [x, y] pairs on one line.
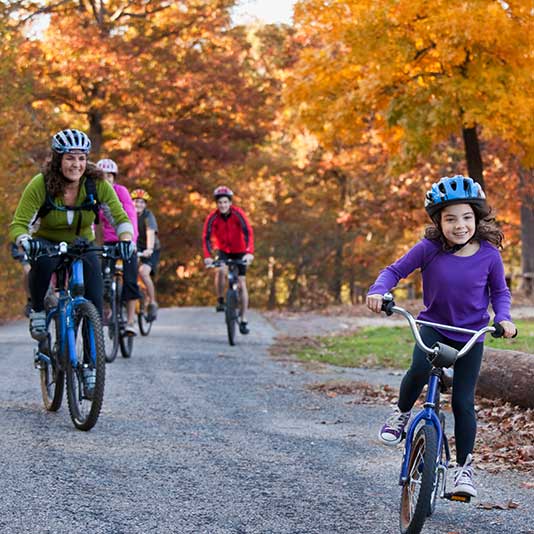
[[458, 497]]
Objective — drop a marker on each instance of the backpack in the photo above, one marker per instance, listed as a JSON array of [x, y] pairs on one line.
[[90, 203]]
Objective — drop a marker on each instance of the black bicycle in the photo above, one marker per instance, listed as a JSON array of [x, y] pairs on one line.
[[233, 296], [115, 313]]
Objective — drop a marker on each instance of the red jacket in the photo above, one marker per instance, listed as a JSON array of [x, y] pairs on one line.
[[229, 233]]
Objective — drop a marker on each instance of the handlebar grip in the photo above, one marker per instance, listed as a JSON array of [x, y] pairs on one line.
[[387, 306], [499, 331]]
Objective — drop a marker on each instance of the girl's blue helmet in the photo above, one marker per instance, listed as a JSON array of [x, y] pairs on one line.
[[69, 140], [456, 190]]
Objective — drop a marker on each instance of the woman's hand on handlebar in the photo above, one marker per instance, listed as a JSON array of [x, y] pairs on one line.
[[374, 302], [208, 262]]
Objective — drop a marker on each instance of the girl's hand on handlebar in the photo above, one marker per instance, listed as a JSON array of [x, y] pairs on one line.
[[247, 258], [208, 262], [510, 329], [374, 302]]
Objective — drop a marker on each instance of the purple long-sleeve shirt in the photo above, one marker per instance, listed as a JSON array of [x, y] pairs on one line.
[[457, 290]]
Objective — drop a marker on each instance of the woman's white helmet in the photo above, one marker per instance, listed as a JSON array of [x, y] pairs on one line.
[[107, 165], [71, 140]]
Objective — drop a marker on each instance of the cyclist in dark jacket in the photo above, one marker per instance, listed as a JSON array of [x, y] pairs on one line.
[[228, 232]]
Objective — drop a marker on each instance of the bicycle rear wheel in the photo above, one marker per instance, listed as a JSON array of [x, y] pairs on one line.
[[111, 327], [51, 377], [416, 496], [231, 315], [142, 318], [85, 403]]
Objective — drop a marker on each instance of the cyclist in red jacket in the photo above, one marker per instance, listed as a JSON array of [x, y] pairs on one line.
[[227, 232]]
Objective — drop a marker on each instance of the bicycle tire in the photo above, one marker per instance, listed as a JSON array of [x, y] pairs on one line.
[[126, 341], [417, 492], [52, 378], [111, 330], [231, 315], [84, 410], [142, 319]]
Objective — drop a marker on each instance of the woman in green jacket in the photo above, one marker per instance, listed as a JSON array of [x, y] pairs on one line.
[[60, 204]]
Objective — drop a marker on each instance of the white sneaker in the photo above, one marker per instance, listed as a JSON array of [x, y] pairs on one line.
[[130, 329], [392, 431], [463, 478]]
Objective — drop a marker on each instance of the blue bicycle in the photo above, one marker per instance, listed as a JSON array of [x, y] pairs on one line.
[[73, 352], [426, 452]]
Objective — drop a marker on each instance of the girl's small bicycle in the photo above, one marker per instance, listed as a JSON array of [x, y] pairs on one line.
[[73, 352], [426, 452]]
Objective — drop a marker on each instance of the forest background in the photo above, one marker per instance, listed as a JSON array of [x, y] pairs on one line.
[[329, 130]]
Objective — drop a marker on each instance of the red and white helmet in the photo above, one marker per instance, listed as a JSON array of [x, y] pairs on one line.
[[108, 165], [223, 191]]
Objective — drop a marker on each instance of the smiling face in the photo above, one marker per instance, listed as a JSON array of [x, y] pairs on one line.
[[223, 204], [458, 223], [73, 165], [140, 205]]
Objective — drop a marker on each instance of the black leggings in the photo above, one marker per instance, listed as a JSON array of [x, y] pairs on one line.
[[466, 371], [43, 268]]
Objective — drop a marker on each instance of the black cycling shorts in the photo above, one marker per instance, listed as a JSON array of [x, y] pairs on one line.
[[153, 261], [241, 269]]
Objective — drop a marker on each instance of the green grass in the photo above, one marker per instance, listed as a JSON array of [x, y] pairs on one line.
[[392, 346]]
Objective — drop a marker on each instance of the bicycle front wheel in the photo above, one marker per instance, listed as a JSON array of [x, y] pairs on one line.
[[86, 377], [231, 315], [111, 327], [126, 341], [51, 377], [417, 492]]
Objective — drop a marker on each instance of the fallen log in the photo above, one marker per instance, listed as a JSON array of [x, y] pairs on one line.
[[507, 375]]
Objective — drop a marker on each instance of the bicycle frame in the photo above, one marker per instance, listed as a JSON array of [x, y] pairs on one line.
[[429, 415], [68, 300]]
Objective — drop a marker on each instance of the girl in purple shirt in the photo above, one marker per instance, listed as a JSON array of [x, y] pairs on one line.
[[462, 273]]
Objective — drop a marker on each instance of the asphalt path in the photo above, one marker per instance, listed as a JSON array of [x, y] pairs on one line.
[[199, 437]]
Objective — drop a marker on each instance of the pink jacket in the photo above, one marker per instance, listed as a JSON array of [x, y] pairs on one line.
[[108, 229]]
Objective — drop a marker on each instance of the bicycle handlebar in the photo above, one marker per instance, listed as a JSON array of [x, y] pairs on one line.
[[229, 261], [440, 355]]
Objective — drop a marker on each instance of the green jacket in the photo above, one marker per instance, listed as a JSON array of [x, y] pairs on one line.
[[60, 226]]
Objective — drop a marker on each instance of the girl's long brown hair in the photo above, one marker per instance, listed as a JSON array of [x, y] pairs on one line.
[[486, 228], [54, 179]]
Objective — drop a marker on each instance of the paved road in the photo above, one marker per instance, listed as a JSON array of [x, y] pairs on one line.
[[199, 437]]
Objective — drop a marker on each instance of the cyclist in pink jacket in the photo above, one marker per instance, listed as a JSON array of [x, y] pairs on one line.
[[130, 290]]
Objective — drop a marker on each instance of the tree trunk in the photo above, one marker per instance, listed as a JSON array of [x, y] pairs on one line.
[[95, 132], [293, 292], [472, 154], [507, 375], [272, 277], [526, 181]]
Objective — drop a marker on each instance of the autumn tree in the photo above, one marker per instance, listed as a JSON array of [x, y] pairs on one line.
[[420, 74]]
